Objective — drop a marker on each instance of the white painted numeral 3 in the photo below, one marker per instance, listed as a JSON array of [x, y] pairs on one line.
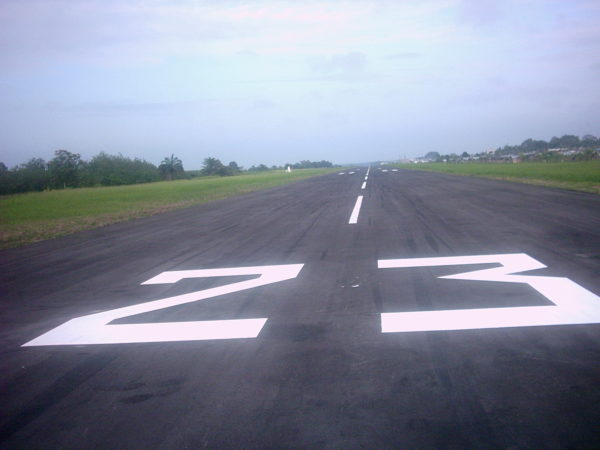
[[95, 328], [572, 305]]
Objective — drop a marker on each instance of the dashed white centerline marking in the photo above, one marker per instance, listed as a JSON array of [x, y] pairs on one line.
[[364, 185], [356, 210]]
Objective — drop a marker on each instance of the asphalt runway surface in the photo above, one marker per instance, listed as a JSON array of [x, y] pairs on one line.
[[347, 337]]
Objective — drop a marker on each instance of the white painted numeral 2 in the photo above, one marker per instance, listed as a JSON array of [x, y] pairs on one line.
[[572, 303], [96, 328]]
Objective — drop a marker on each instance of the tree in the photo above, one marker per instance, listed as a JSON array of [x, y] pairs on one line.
[[171, 167], [34, 164], [569, 141], [306, 164], [65, 168], [33, 175], [7, 180], [589, 140], [213, 166], [531, 145], [234, 168], [113, 170], [432, 156], [259, 168]]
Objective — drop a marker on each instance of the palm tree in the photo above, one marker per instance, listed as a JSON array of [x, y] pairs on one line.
[[212, 166], [170, 166]]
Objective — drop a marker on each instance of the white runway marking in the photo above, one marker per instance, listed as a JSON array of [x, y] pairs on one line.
[[394, 170], [351, 173], [572, 303], [356, 210], [96, 328], [341, 173], [364, 185]]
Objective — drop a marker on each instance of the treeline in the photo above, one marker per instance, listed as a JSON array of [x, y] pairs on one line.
[[566, 148], [305, 164], [68, 170], [310, 164], [566, 142], [213, 166]]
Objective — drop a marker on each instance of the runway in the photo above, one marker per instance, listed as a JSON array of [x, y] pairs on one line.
[[370, 308]]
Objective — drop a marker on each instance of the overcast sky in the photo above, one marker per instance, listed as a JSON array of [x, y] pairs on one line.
[[280, 81]]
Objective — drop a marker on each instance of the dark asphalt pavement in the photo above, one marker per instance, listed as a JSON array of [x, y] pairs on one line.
[[320, 374]]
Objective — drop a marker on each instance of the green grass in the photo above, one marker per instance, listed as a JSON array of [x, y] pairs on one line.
[[582, 175], [26, 218]]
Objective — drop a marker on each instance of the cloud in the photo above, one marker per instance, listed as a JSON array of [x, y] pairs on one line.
[[404, 55], [595, 67], [263, 104], [246, 54], [128, 32], [351, 65], [124, 32], [126, 109], [109, 109], [481, 13]]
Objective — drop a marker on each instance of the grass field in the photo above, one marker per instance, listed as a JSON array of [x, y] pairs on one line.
[[581, 176], [26, 218]]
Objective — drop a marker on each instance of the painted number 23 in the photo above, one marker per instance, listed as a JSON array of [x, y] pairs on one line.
[[572, 304]]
